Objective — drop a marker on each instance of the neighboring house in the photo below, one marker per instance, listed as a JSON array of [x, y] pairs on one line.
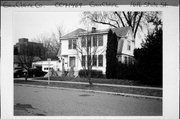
[[126, 44], [73, 46], [46, 65]]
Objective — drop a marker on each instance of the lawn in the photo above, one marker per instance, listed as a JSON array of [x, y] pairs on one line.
[[147, 92]]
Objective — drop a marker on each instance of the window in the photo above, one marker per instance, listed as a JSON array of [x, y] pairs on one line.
[[119, 59], [48, 68], [128, 45], [130, 60], [125, 60], [100, 60], [72, 44], [88, 41], [83, 60], [100, 40], [94, 60], [89, 60], [83, 41], [94, 40], [72, 61]]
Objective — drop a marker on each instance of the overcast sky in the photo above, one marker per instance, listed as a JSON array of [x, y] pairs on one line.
[[32, 24]]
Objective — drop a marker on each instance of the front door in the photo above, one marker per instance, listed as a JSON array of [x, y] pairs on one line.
[[72, 61]]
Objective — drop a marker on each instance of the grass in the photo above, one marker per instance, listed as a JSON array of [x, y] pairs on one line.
[[99, 80], [148, 92]]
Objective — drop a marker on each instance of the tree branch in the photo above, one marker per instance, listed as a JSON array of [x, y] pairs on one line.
[[134, 21], [104, 23], [126, 18], [120, 18], [138, 24], [115, 21], [129, 19]]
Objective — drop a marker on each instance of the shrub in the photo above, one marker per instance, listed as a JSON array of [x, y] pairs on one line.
[[94, 73], [149, 58], [111, 53], [126, 71], [138, 73]]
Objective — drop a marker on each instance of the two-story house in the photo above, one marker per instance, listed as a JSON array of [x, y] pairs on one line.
[[76, 45]]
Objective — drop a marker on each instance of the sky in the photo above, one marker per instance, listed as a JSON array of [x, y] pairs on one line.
[[32, 24], [35, 24]]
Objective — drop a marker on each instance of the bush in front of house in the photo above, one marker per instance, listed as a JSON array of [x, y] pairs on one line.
[[135, 72], [126, 71], [94, 73]]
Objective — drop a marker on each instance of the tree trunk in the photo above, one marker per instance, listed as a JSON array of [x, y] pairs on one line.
[[26, 77], [89, 76]]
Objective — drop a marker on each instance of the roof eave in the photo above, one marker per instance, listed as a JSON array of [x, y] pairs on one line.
[[68, 38], [85, 34]]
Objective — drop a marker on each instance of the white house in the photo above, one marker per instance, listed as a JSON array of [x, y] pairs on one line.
[[73, 49]]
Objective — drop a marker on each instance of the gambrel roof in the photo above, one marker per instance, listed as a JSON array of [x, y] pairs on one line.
[[122, 31]]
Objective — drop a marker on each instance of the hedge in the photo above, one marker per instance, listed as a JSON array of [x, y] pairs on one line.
[[94, 73]]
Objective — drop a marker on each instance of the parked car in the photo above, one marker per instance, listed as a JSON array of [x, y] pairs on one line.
[[36, 73], [20, 73], [32, 73]]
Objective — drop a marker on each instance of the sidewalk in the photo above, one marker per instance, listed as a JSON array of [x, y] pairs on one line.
[[100, 84]]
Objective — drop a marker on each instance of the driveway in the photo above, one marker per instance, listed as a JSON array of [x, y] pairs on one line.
[[49, 102]]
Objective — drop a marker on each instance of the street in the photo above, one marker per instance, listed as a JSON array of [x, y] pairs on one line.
[[54, 102]]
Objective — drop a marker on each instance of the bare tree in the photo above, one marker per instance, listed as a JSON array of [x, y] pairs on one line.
[[89, 51], [51, 43], [136, 20], [60, 32]]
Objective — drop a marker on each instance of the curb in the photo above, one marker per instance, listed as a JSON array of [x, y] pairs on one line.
[[93, 91]]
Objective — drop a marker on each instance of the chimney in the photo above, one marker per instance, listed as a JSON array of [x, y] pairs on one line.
[[23, 40], [93, 29]]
